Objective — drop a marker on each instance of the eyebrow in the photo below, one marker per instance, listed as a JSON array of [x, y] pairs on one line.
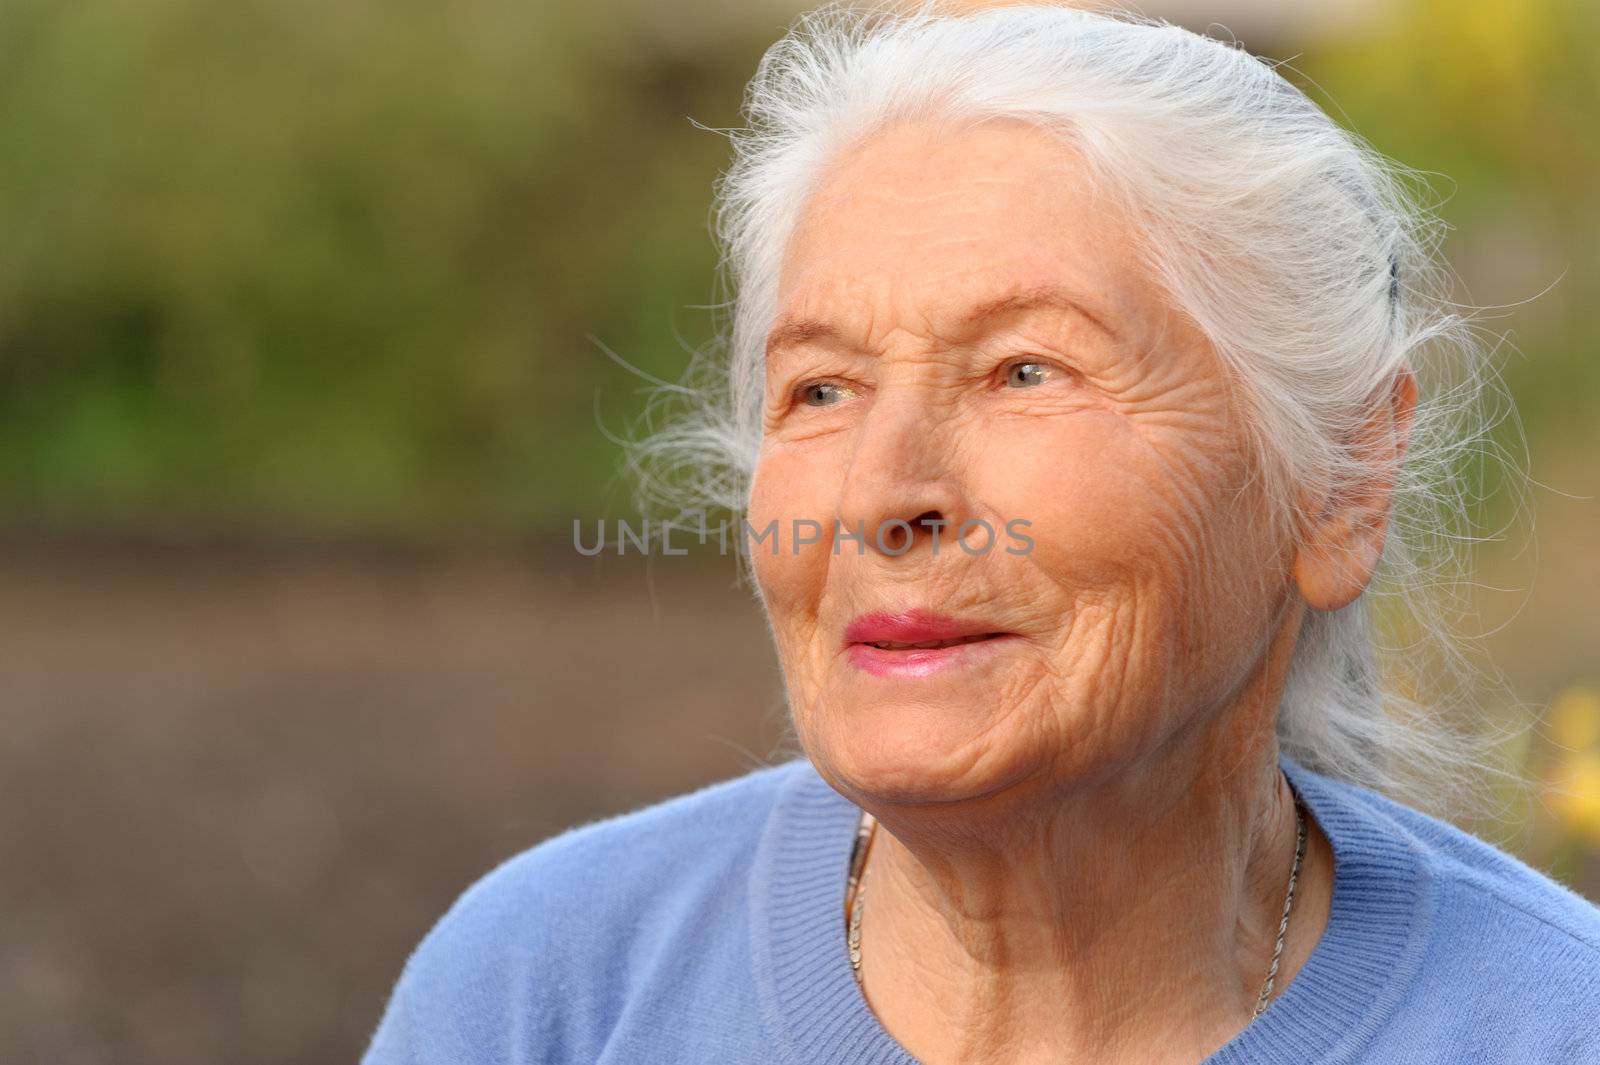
[[791, 330]]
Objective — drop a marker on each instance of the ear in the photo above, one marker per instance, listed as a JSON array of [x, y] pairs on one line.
[[1340, 552]]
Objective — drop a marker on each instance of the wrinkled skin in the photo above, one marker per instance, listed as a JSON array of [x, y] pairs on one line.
[[1084, 837]]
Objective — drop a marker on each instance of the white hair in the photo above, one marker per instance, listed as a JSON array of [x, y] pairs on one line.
[[1306, 258]]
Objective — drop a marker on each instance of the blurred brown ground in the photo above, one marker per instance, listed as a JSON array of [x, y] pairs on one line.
[[243, 782]]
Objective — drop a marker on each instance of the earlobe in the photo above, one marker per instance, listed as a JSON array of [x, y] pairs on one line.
[[1340, 551], [1335, 566]]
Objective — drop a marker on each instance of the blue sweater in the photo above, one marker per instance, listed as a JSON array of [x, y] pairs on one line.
[[709, 930]]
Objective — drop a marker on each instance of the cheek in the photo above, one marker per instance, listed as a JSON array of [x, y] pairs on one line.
[[1101, 503], [1136, 542], [788, 486], [1124, 512]]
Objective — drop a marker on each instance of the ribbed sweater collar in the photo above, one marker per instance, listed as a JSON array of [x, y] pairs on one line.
[[1357, 974]]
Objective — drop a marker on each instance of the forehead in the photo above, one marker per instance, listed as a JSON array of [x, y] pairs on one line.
[[933, 215]]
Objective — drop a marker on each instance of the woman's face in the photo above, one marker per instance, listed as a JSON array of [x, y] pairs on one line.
[[964, 332]]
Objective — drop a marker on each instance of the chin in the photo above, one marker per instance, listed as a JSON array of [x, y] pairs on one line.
[[918, 753]]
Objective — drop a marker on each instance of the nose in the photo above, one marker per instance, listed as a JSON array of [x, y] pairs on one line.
[[902, 492]]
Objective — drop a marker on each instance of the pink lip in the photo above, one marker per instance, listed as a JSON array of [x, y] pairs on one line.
[[918, 626]]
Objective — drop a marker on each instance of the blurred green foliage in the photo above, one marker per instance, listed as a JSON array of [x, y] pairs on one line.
[[1500, 102], [330, 268]]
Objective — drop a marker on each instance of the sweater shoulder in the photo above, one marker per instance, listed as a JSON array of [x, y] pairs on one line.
[[1511, 946], [1494, 939], [682, 839], [1506, 888], [570, 918], [625, 862]]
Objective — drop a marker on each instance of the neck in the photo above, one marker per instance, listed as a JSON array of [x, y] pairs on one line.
[[1130, 919]]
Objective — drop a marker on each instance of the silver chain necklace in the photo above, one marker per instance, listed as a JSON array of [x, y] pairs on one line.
[[867, 830]]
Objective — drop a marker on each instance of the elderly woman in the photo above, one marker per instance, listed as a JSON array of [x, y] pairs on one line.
[[1117, 787]]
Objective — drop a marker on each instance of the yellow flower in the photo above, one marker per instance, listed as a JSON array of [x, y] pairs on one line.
[[1574, 796], [1574, 719]]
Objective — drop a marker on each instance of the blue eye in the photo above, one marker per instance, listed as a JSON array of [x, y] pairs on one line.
[[1026, 374], [821, 394]]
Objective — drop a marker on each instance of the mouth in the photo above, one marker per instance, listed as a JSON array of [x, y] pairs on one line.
[[918, 643], [917, 630], [929, 645]]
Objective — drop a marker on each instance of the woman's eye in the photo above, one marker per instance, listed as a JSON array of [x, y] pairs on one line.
[[822, 394], [1026, 374]]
